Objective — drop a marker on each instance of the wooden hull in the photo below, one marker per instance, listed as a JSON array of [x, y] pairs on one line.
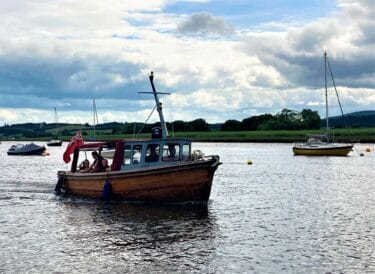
[[188, 182], [334, 150]]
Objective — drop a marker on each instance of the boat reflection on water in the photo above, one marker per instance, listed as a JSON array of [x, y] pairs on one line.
[[145, 237]]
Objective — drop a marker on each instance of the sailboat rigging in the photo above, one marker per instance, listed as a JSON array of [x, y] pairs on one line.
[[95, 118], [55, 142], [319, 144]]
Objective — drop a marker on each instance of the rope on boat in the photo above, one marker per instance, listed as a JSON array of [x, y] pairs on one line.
[[144, 124], [338, 99], [359, 153], [107, 190]]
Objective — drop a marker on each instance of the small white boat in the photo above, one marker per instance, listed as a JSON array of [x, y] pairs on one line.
[[319, 145], [54, 143]]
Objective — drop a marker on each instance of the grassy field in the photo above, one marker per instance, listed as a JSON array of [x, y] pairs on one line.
[[354, 135], [362, 135]]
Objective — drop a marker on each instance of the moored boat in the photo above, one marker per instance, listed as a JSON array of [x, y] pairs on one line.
[[160, 169], [317, 146], [54, 143], [320, 144], [28, 149]]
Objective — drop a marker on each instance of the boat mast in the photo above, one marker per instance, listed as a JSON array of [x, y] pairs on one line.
[[95, 117], [159, 106], [57, 131], [326, 91], [55, 116]]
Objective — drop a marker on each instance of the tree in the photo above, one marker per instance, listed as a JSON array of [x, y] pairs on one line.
[[310, 119], [199, 125], [253, 123], [179, 125], [231, 125]]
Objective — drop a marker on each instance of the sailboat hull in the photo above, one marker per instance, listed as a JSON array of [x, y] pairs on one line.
[[54, 143], [323, 150]]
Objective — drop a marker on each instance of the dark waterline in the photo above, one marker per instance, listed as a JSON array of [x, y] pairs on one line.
[[283, 214]]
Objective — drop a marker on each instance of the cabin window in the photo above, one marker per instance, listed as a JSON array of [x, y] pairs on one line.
[[137, 152], [185, 152], [152, 153], [127, 155], [171, 152]]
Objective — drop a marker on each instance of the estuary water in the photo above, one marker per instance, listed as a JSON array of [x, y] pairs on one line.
[[280, 214]]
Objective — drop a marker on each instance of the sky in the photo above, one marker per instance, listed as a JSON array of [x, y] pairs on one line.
[[219, 60]]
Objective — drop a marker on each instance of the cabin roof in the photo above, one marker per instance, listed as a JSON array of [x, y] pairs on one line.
[[111, 144]]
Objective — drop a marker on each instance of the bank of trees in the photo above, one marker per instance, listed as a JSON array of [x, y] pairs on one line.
[[286, 119]]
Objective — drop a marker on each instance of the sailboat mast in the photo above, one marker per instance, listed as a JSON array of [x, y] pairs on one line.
[[94, 116], [158, 107], [326, 91], [55, 116]]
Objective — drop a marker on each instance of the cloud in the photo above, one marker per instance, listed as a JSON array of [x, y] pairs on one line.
[[205, 24], [297, 52], [64, 54]]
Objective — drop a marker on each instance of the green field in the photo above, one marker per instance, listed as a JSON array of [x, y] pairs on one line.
[[354, 135], [362, 135]]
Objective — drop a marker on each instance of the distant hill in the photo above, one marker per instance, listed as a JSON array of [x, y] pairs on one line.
[[354, 119]]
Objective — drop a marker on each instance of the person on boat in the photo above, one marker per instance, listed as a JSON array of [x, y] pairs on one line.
[[97, 165], [152, 154], [84, 166], [170, 153], [106, 165]]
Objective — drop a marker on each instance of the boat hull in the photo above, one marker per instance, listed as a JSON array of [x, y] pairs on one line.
[[54, 144], [338, 150], [189, 182], [34, 152], [30, 149]]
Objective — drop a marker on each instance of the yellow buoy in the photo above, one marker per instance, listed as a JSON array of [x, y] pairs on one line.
[[249, 162], [368, 149]]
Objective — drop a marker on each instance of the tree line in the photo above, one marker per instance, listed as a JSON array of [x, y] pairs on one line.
[[285, 119]]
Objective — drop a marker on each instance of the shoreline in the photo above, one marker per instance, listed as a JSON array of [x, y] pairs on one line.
[[356, 135]]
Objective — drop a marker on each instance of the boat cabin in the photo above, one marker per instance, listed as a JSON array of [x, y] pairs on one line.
[[143, 154], [138, 154]]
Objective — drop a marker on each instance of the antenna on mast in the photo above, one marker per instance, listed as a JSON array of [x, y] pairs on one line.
[[158, 105]]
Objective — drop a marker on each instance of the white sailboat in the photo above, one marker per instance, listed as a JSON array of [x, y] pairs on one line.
[[320, 145]]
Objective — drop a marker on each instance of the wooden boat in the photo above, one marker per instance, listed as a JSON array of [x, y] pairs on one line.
[[28, 149], [160, 169], [320, 144], [55, 142]]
